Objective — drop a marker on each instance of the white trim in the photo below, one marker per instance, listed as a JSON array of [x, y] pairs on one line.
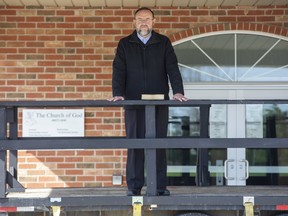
[[220, 169], [235, 58], [237, 86], [229, 32], [222, 93]]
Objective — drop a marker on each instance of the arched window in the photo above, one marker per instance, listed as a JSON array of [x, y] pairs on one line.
[[233, 57]]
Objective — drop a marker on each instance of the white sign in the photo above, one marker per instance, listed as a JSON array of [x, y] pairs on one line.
[[53, 123], [254, 121]]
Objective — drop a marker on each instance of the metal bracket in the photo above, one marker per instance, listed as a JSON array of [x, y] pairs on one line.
[[137, 202], [56, 210], [248, 199], [55, 199], [248, 202]]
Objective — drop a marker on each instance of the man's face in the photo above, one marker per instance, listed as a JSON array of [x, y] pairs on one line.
[[144, 22]]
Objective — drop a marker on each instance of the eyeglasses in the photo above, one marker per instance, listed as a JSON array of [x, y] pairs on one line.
[[140, 20]]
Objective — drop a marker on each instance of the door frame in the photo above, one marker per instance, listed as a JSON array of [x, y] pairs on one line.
[[237, 170]]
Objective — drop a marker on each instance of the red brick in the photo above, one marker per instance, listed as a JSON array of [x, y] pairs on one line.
[[255, 12], [73, 19], [46, 63], [73, 95], [74, 82], [7, 89], [46, 153], [35, 95], [26, 50], [35, 19], [54, 95], [35, 185], [27, 166], [15, 57], [46, 25], [26, 25], [27, 38], [236, 12], [15, 19], [246, 19], [218, 12], [46, 50], [85, 178], [199, 12], [44, 88], [65, 12], [227, 19], [64, 25], [274, 12], [46, 38], [65, 38], [35, 82], [8, 50], [8, 12], [47, 178], [34, 70], [35, 44], [73, 159], [53, 185], [73, 31], [265, 18], [15, 82], [54, 57], [85, 153]]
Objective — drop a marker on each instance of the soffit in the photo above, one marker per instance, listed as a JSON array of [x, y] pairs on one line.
[[139, 3]]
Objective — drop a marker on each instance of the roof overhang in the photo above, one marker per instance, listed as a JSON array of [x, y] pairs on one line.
[[139, 3]]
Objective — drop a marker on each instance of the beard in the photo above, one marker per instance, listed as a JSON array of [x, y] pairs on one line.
[[144, 32]]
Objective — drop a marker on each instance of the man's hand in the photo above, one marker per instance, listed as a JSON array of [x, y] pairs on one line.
[[179, 97], [116, 98]]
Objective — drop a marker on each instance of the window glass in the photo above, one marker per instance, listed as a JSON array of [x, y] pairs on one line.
[[233, 58]]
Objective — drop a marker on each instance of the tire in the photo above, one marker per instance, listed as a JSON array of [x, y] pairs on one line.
[[192, 214]]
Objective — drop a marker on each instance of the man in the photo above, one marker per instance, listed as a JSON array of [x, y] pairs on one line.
[[144, 63]]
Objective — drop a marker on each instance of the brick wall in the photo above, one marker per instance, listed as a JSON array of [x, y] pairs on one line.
[[66, 54]]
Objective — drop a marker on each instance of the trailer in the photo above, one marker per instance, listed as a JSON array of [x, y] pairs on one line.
[[199, 200]]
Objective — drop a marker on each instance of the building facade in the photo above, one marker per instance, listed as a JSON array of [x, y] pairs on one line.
[[66, 53]]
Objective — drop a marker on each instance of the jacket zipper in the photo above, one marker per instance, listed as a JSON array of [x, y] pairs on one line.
[[144, 68]]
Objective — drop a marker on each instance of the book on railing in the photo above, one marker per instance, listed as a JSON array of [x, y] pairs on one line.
[[152, 96]]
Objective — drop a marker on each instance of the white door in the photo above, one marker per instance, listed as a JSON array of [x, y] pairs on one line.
[[238, 65], [240, 121]]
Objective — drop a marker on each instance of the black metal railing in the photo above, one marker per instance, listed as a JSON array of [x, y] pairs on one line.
[[10, 143]]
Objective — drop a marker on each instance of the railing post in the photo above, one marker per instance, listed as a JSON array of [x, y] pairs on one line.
[[150, 154], [202, 173], [3, 153], [13, 134], [12, 119]]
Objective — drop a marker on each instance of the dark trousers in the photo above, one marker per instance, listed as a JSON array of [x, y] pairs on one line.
[[135, 128]]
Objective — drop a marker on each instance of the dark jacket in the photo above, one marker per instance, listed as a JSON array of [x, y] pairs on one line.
[[145, 69]]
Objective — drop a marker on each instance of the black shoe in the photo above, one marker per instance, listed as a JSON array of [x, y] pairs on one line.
[[133, 192], [164, 192]]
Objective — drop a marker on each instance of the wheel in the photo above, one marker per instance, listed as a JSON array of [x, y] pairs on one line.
[[281, 214], [193, 214]]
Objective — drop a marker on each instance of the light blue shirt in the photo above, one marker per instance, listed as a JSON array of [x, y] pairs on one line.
[[144, 39]]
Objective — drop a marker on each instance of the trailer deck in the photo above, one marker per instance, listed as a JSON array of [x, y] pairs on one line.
[[181, 198]]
